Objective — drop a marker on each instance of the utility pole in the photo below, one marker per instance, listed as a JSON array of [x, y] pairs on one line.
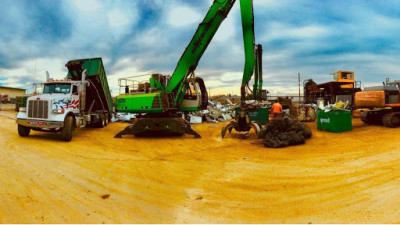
[[298, 75]]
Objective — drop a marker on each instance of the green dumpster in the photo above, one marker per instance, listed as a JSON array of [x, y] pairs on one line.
[[334, 121], [260, 115]]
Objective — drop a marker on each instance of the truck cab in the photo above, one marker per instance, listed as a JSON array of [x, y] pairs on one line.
[[69, 103], [48, 111], [51, 106]]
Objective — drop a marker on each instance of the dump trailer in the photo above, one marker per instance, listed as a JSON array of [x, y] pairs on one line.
[[79, 100], [382, 105]]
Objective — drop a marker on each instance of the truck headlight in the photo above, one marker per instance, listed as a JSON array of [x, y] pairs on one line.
[[58, 111], [22, 109]]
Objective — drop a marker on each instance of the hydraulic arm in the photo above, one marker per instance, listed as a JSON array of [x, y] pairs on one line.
[[253, 64], [200, 41], [246, 10]]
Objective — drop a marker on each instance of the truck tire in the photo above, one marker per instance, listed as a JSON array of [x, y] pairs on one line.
[[23, 131], [105, 119], [100, 124], [67, 129]]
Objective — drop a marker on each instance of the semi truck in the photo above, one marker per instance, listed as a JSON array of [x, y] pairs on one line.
[[81, 99]]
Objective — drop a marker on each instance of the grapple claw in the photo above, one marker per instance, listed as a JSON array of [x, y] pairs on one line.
[[230, 129], [256, 127], [227, 127]]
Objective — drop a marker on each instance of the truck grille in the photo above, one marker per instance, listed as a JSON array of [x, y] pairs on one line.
[[38, 109]]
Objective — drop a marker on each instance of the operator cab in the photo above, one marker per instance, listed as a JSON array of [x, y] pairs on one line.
[[345, 77]]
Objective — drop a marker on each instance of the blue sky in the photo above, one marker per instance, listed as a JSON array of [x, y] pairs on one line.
[[312, 37]]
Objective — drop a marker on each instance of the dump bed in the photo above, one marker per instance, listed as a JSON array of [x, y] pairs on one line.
[[98, 90]]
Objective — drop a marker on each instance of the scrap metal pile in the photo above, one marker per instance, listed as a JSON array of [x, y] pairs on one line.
[[285, 131], [215, 112]]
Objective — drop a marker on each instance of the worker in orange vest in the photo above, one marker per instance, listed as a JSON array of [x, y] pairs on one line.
[[276, 109]]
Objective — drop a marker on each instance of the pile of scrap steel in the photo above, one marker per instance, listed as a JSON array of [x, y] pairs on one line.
[[308, 112], [336, 106], [285, 131], [215, 112], [304, 112], [123, 117]]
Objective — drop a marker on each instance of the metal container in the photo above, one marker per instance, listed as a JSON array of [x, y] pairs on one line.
[[260, 115], [303, 113], [334, 121]]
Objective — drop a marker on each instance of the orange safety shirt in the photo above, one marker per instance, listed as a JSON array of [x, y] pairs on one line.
[[277, 108]]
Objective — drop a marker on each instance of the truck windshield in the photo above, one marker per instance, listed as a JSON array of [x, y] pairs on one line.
[[57, 88]]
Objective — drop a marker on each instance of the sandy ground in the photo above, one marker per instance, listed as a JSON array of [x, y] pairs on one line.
[[351, 177], [7, 107]]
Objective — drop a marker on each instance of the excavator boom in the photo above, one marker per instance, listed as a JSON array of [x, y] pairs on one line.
[[199, 43], [246, 11]]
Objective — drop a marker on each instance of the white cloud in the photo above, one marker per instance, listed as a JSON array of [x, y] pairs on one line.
[[94, 22], [273, 4], [231, 76], [117, 18], [153, 37], [276, 30], [125, 67], [87, 6], [183, 16], [227, 30], [33, 71]]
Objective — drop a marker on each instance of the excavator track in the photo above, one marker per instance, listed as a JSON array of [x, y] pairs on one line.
[[391, 119], [364, 117], [373, 117]]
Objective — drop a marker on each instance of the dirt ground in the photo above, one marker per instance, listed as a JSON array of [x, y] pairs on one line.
[[350, 177]]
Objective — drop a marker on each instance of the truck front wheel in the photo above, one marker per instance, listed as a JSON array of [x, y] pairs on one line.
[[23, 131], [67, 129]]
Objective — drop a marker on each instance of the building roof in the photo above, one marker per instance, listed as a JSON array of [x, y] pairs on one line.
[[22, 89]]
